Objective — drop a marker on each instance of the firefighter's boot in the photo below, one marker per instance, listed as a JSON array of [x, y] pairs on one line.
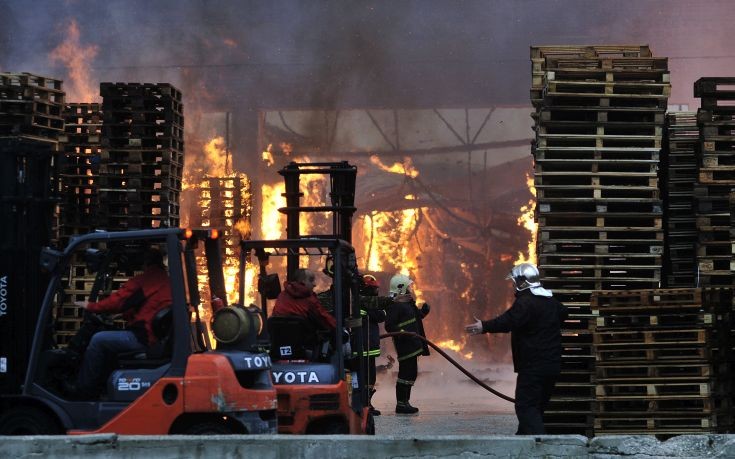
[[375, 411], [403, 393]]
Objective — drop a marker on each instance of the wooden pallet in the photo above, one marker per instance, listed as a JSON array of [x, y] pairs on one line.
[[654, 319], [612, 208], [597, 141], [640, 353], [142, 156], [652, 390], [674, 406], [597, 192], [601, 222], [651, 425], [597, 247], [654, 337], [671, 372]]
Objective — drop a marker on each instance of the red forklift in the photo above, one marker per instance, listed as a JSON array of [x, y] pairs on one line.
[[321, 382], [183, 387]]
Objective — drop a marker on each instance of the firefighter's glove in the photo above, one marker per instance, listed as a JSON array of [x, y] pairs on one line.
[[474, 328], [425, 309]]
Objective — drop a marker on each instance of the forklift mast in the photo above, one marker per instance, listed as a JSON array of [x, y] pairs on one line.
[[342, 177]]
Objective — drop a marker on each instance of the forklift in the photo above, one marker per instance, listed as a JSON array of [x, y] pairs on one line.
[[183, 387], [321, 384]]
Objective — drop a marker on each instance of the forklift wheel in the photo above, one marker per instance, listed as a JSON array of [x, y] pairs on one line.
[[208, 428], [28, 421]]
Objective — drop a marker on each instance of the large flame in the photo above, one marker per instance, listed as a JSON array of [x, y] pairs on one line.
[[406, 168], [455, 346], [77, 59], [526, 220], [271, 223], [387, 235]]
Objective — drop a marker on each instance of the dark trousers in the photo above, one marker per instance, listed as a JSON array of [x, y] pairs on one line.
[[533, 391], [371, 369], [102, 349], [408, 370]]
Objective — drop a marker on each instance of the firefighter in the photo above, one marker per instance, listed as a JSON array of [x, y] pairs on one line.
[[372, 309], [403, 315], [138, 299], [534, 322]]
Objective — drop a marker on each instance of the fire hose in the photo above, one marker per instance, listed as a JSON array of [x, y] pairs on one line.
[[453, 362]]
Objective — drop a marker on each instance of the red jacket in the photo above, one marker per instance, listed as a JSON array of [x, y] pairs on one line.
[[297, 300], [139, 299]]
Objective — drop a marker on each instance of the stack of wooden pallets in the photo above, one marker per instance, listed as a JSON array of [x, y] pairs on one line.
[[599, 114], [30, 107], [225, 203], [716, 120], [142, 156], [662, 361], [679, 174], [80, 146]]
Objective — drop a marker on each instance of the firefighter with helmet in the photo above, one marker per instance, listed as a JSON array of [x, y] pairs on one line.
[[372, 309], [403, 315], [534, 322]]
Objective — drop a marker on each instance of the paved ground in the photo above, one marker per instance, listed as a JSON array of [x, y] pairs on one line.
[[449, 403]]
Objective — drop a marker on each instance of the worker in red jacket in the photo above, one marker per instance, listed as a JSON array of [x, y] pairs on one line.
[[298, 299], [139, 299]]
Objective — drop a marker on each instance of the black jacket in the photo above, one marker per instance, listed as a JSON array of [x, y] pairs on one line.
[[406, 317], [535, 325], [373, 312]]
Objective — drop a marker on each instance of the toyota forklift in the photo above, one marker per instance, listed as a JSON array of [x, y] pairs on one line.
[[321, 383], [181, 386]]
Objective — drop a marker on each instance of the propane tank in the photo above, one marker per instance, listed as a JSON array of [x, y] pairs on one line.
[[237, 327]]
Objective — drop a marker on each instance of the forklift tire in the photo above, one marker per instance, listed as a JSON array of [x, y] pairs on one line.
[[28, 420], [208, 428]]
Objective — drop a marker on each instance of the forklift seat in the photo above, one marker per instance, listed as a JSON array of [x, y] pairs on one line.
[[293, 338], [159, 353]]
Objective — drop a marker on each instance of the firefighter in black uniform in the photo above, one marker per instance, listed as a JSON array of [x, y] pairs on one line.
[[403, 315], [372, 309], [534, 321]]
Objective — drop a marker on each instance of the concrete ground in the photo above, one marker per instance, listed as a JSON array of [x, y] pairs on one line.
[[449, 402]]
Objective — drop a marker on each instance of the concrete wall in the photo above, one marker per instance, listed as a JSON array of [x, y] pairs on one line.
[[324, 447]]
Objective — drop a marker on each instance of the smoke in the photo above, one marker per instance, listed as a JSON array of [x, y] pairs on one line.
[[252, 55]]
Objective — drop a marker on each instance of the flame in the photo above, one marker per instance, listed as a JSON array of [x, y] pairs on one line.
[[271, 225], [268, 155], [406, 168], [526, 220], [455, 346], [76, 58]]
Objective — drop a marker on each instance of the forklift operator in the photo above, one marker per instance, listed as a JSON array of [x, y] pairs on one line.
[[298, 299], [139, 299]]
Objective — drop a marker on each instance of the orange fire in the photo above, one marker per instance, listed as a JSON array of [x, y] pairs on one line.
[[397, 168], [455, 346], [526, 220], [386, 235], [76, 58]]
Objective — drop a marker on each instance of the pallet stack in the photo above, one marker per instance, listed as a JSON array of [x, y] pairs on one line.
[[225, 203], [599, 113], [679, 173], [662, 361], [142, 156], [716, 120], [80, 146], [30, 107]]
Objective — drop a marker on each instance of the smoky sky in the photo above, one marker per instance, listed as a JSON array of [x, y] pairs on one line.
[[243, 56]]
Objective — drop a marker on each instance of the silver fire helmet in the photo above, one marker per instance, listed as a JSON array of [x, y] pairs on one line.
[[524, 276]]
